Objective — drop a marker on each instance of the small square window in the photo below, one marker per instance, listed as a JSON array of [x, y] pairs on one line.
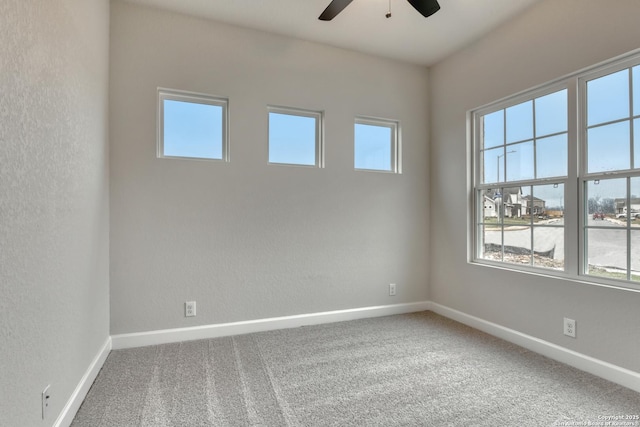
[[376, 146], [192, 126], [295, 137]]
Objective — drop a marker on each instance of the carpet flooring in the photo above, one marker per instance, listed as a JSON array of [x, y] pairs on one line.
[[417, 369]]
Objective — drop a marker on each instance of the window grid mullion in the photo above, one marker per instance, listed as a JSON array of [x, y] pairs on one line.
[[504, 148], [633, 165], [535, 139]]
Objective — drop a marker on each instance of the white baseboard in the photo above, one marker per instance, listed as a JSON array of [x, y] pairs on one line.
[[142, 339], [606, 370], [73, 404]]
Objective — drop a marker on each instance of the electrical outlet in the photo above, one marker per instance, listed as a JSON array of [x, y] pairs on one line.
[[570, 327], [392, 289], [46, 398], [189, 309]]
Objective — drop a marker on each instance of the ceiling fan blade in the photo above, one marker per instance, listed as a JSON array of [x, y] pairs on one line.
[[425, 7], [334, 8]]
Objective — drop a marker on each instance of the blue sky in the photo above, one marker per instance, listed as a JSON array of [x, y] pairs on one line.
[[292, 139], [372, 147], [192, 130]]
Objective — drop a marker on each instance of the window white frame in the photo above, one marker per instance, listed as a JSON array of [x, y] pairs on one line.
[[478, 172], [395, 144], [192, 98], [575, 203], [318, 116]]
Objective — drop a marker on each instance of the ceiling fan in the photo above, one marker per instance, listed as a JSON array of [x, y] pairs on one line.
[[425, 7]]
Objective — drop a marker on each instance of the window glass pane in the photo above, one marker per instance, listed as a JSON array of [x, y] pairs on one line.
[[373, 147], [608, 147], [636, 90], [547, 207], [520, 161], [551, 156], [607, 252], [517, 232], [551, 113], [635, 203], [527, 211], [511, 206], [635, 255], [493, 129], [490, 231], [606, 197], [192, 130], [608, 98], [490, 242], [606, 246], [292, 139], [488, 206], [493, 165], [548, 246], [548, 200], [517, 244], [520, 122], [634, 222]]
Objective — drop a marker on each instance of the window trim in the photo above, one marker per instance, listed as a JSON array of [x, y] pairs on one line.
[[318, 115], [477, 185], [577, 176], [194, 98]]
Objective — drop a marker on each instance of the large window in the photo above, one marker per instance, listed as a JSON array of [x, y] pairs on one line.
[[192, 125], [522, 169], [295, 137], [556, 177]]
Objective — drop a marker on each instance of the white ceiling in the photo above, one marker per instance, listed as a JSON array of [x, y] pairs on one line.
[[362, 26]]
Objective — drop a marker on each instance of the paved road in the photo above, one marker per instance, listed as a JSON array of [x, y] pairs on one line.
[[606, 247]]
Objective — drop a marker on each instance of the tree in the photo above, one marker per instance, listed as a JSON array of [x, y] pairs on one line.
[[608, 206], [594, 205]]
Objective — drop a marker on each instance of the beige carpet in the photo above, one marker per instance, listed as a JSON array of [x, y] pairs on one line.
[[408, 370]]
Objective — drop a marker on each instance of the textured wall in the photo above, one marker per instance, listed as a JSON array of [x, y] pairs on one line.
[[247, 240], [53, 200], [551, 39]]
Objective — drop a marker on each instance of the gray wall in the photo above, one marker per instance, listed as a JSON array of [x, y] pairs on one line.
[[247, 240], [551, 39], [54, 208]]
